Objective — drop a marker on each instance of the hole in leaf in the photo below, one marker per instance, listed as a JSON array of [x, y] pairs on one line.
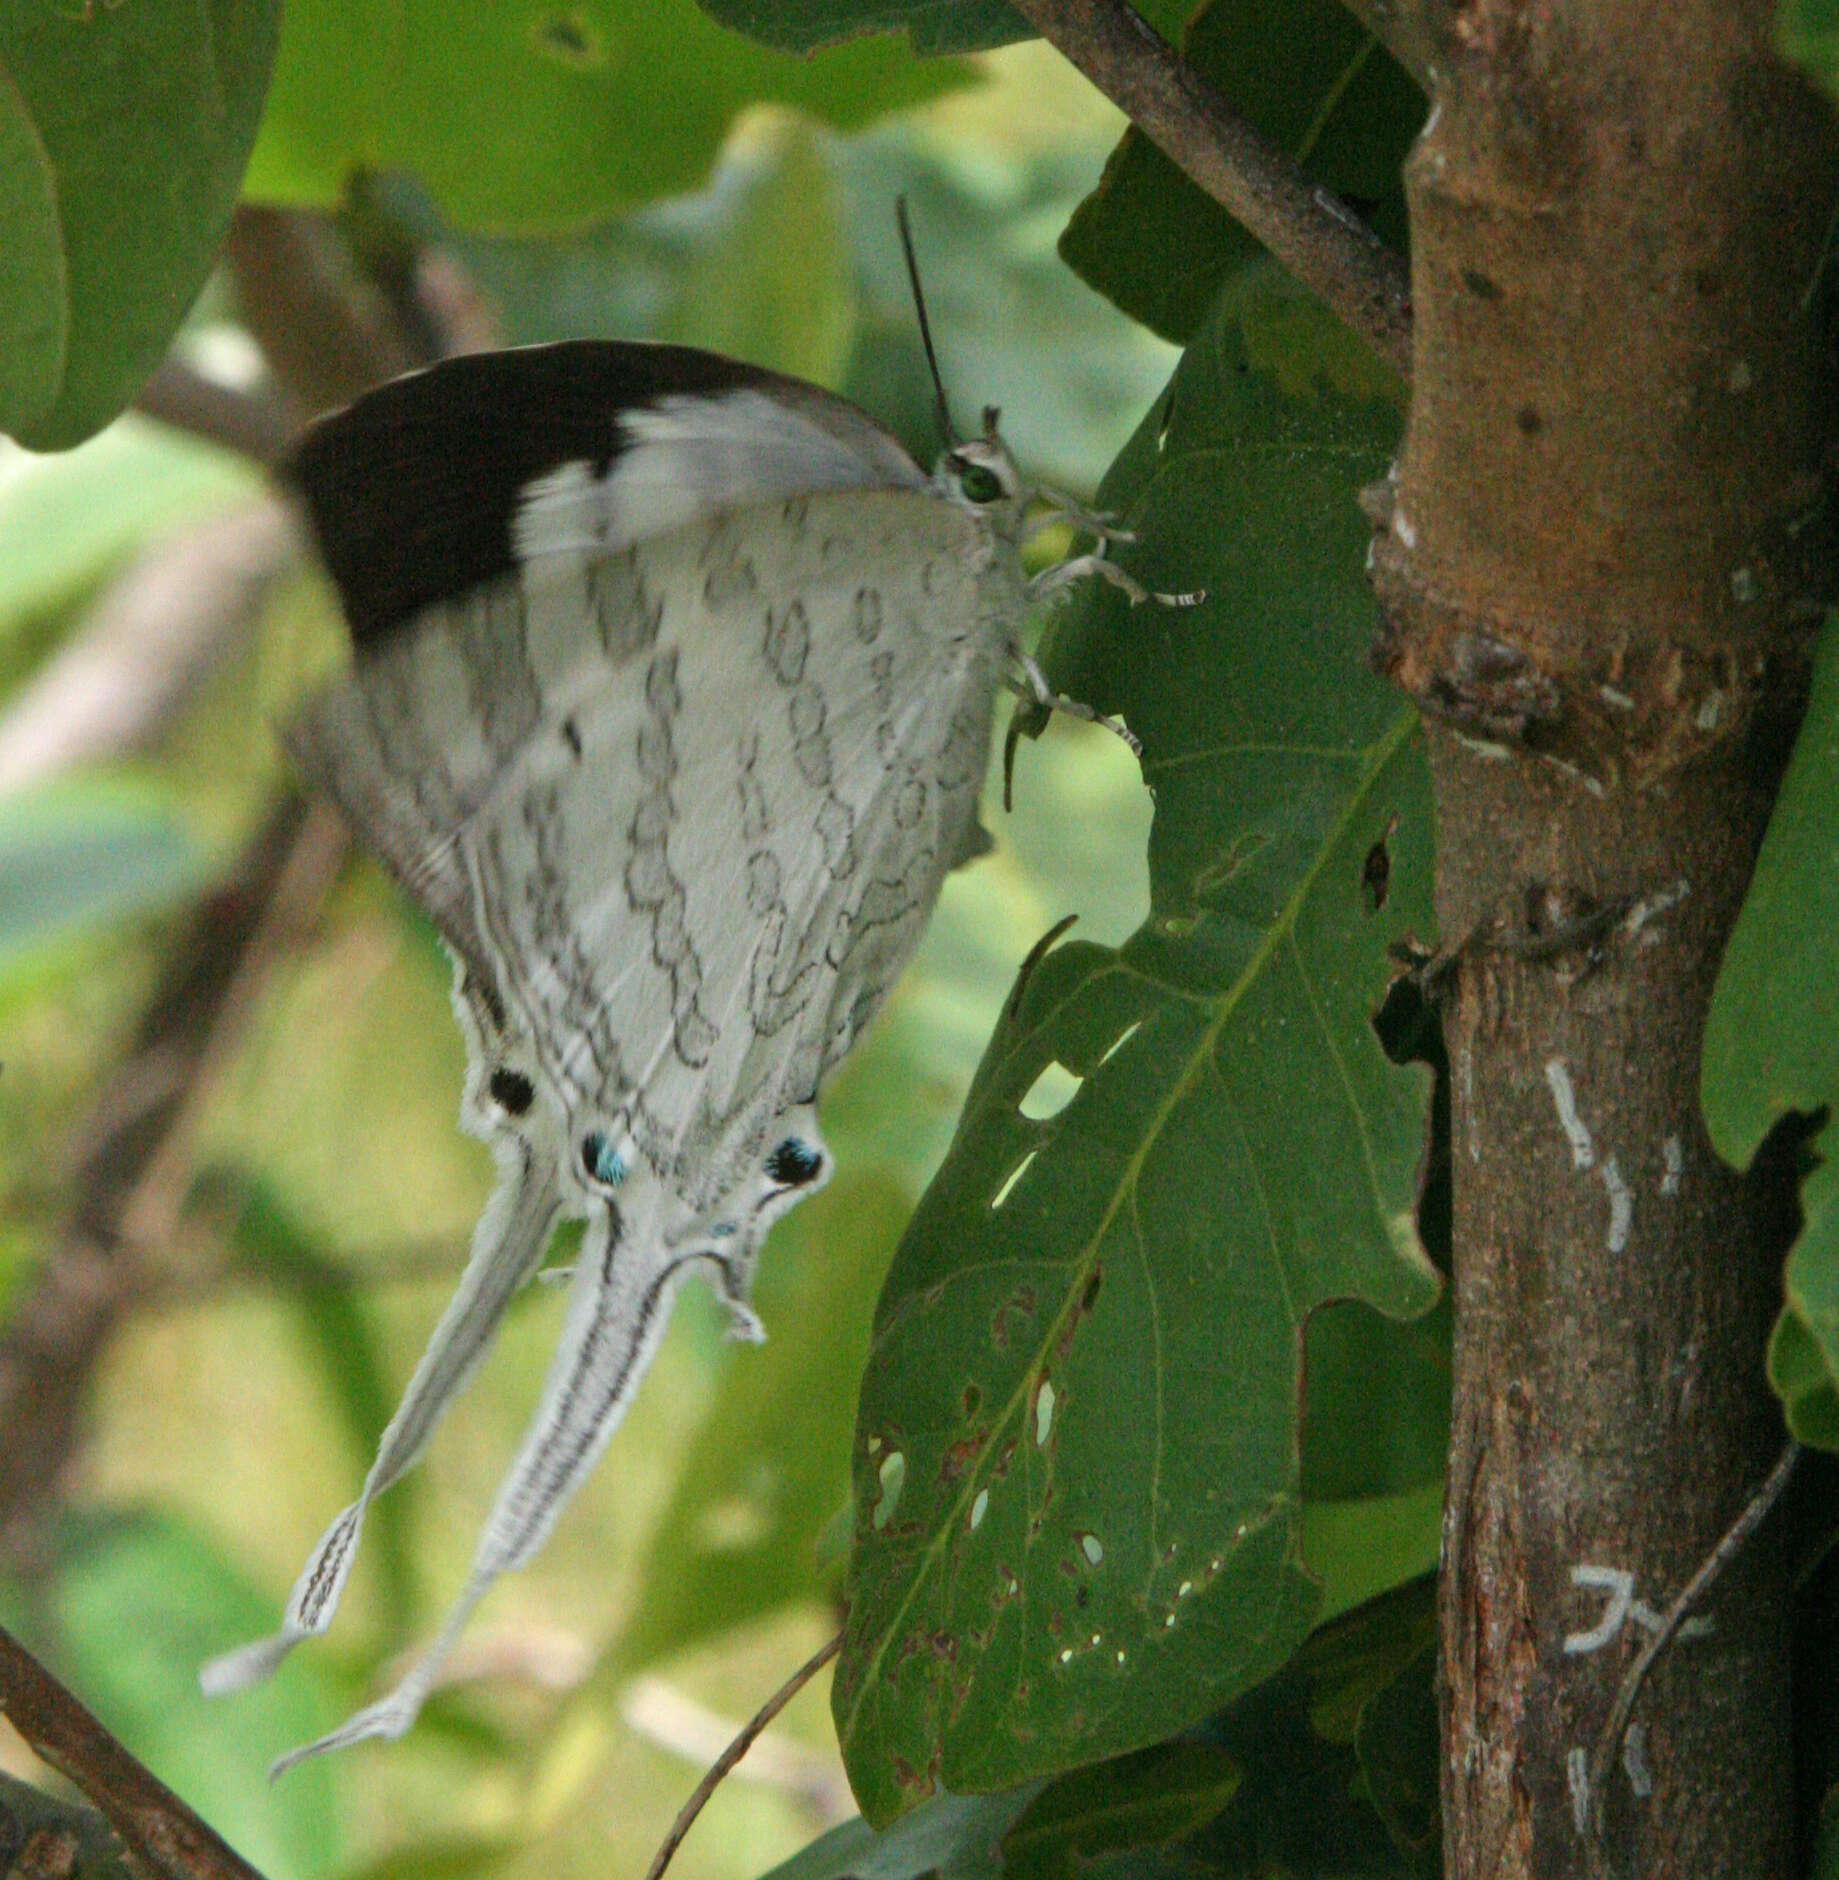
[[893, 1476], [1015, 1175], [1123, 1038], [1043, 1413], [1050, 1093]]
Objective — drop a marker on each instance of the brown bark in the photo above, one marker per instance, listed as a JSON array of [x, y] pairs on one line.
[[1599, 572]]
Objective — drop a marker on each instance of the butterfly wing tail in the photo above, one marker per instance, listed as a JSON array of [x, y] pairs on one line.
[[619, 1304], [507, 1245]]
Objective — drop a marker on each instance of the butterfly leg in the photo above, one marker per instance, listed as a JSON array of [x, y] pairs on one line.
[[1082, 567], [1031, 683]]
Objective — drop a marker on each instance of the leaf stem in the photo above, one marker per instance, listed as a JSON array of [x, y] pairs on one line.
[[744, 1741]]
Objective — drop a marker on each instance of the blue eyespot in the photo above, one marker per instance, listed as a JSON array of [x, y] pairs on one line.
[[794, 1163], [601, 1160]]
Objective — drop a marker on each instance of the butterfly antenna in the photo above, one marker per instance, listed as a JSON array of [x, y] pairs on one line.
[[947, 436]]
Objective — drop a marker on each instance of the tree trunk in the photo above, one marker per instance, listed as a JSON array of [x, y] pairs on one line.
[[1599, 573]]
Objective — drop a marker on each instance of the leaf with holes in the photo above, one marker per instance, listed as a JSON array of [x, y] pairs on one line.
[[1772, 1047], [1078, 1457]]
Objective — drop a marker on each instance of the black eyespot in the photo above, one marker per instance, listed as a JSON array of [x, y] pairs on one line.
[[980, 483], [512, 1091], [601, 1160], [793, 1164]]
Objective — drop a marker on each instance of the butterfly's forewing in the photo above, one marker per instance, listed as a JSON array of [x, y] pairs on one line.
[[679, 790]]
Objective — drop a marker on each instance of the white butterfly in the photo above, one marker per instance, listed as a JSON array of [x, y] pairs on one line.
[[673, 689]]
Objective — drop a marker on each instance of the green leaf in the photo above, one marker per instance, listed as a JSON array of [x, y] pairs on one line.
[[1807, 32], [1077, 1462], [34, 287], [140, 1602], [1772, 1045], [1158, 245], [932, 25], [1322, 1770], [74, 857], [124, 131], [955, 1837], [545, 118], [1136, 1802], [777, 289]]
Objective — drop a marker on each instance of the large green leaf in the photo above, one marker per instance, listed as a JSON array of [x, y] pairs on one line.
[[1077, 1462], [932, 25], [1315, 82], [532, 118], [1326, 1769], [124, 130], [1772, 1045]]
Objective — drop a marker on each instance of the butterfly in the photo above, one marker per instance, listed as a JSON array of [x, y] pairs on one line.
[[672, 691]]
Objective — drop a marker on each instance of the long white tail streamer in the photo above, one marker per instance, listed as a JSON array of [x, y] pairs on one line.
[[507, 1246]]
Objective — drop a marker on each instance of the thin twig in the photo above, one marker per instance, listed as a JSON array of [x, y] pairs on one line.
[[1315, 235], [179, 395], [165, 1837], [1710, 1570], [718, 1770]]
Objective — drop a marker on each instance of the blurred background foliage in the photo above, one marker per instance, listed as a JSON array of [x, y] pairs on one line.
[[333, 1195]]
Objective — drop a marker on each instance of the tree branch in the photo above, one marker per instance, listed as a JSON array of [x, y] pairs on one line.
[[147, 645], [167, 1840], [1315, 235], [180, 396]]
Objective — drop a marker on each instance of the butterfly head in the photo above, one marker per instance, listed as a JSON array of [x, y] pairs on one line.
[[981, 474]]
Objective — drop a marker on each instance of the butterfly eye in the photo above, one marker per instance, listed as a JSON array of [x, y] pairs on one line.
[[601, 1160], [794, 1164], [980, 483]]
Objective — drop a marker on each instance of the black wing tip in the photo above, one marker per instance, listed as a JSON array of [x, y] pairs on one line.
[[411, 488]]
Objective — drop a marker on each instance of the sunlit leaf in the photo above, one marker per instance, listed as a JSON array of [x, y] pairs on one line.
[[1772, 1045], [124, 130], [1077, 1465], [593, 104]]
